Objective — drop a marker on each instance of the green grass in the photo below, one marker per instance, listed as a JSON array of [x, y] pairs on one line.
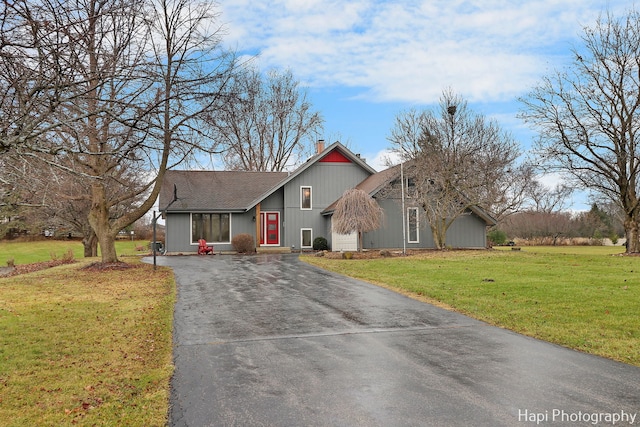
[[41, 250], [586, 298], [86, 348]]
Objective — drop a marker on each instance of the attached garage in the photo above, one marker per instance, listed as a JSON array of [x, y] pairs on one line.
[[344, 242]]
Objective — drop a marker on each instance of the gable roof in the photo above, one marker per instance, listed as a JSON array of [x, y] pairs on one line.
[[239, 191], [336, 146], [228, 190]]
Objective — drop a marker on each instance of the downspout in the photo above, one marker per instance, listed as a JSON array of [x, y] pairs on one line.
[[258, 225]]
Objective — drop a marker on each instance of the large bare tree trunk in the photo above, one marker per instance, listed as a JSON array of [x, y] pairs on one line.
[[90, 244], [439, 233], [632, 230], [99, 220]]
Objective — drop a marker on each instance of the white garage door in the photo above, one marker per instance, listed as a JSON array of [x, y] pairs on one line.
[[344, 242]]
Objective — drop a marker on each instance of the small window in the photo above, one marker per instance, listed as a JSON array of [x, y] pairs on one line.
[[410, 189], [412, 220], [305, 197], [306, 238]]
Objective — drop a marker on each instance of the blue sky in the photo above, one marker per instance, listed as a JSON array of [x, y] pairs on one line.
[[364, 61]]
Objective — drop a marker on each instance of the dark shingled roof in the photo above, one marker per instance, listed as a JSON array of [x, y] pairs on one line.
[[371, 185], [226, 190], [376, 182]]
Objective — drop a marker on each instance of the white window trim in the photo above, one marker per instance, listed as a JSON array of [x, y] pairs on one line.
[[417, 226], [191, 243], [310, 198], [302, 230], [263, 226]]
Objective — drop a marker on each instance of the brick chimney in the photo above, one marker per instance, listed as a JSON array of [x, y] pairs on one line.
[[320, 146]]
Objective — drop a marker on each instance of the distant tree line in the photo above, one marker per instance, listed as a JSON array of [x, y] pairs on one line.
[[553, 227]]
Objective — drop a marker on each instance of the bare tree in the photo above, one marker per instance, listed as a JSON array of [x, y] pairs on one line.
[[267, 126], [39, 195], [356, 211], [587, 116], [144, 75], [459, 160], [539, 226], [37, 73], [547, 199]]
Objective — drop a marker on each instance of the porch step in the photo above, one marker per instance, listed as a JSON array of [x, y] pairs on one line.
[[273, 250]]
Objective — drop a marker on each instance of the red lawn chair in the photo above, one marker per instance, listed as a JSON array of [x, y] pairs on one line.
[[203, 249]]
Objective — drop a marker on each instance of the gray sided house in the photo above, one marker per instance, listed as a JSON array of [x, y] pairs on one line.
[[289, 210]]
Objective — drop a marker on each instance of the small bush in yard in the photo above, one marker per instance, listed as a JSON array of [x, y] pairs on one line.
[[320, 244], [497, 237], [243, 243], [68, 257]]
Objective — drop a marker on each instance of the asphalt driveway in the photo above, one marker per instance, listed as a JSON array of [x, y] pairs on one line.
[[270, 341]]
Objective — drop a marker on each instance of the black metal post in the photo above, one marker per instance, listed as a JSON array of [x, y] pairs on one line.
[[155, 220], [153, 243]]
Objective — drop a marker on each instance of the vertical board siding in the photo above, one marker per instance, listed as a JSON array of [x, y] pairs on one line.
[[467, 231], [328, 181], [178, 233]]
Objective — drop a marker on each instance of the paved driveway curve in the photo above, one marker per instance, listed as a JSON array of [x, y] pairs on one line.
[[271, 341]]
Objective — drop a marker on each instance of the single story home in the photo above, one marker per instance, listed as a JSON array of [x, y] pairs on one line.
[[288, 210]]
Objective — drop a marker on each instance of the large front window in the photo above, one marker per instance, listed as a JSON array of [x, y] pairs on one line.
[[211, 227]]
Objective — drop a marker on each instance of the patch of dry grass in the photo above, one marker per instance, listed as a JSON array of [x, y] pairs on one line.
[[86, 347]]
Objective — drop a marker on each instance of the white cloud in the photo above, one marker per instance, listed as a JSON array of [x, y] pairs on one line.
[[409, 51], [382, 159]]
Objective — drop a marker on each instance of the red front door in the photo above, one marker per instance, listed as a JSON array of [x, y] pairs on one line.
[[270, 234]]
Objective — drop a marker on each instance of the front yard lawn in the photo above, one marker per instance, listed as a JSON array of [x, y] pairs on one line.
[[584, 298], [44, 250], [86, 347]]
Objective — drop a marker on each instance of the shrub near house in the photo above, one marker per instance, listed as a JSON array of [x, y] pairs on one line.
[[320, 244], [243, 243]]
